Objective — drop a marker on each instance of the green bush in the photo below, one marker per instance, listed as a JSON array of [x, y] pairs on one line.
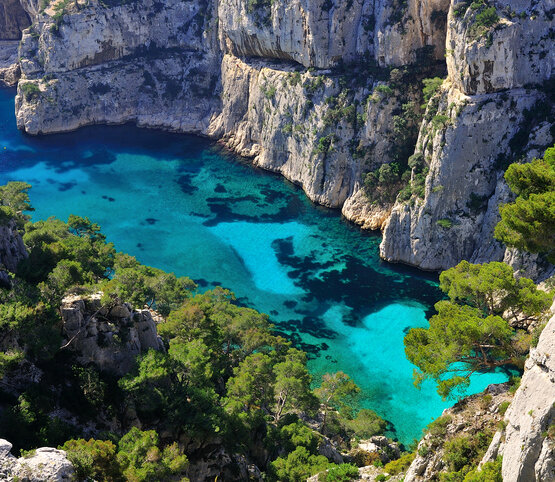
[[445, 223], [503, 407], [30, 91], [487, 18], [438, 428], [93, 459], [339, 473], [490, 472], [401, 464]]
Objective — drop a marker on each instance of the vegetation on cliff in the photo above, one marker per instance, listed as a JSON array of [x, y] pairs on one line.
[[223, 380]]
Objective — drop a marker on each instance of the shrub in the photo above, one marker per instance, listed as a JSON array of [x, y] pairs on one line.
[[30, 91], [363, 458], [487, 18], [439, 121], [339, 473], [400, 465], [458, 453], [460, 9], [431, 86], [438, 428], [515, 383], [445, 223], [490, 472], [324, 144], [92, 459], [503, 407], [384, 89]]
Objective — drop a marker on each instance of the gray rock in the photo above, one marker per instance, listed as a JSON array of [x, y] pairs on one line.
[[109, 338], [41, 465], [12, 249], [528, 455]]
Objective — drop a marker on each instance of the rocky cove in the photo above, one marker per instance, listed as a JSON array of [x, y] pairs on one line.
[[317, 92], [278, 84]]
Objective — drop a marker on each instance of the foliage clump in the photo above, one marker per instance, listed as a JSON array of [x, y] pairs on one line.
[[469, 333], [528, 223]]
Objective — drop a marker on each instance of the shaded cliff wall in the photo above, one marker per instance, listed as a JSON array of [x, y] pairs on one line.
[[495, 105], [13, 20]]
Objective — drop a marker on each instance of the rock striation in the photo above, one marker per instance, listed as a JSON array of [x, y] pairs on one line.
[[527, 443], [493, 107], [109, 337], [44, 464]]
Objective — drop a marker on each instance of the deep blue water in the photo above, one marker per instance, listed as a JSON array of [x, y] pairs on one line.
[[182, 204]]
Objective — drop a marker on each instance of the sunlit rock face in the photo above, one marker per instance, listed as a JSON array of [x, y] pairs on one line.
[[238, 73], [267, 78], [43, 464], [494, 108], [110, 337]]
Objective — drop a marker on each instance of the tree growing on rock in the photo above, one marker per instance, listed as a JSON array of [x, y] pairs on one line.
[[472, 331], [337, 392]]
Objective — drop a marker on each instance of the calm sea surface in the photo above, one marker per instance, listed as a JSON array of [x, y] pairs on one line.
[[182, 204]]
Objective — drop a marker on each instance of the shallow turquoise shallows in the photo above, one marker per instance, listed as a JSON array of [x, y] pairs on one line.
[[181, 204]]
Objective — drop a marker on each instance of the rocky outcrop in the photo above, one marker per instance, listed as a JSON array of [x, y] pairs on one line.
[[9, 62], [13, 20], [110, 337], [300, 87], [481, 120], [12, 249], [44, 464], [527, 443], [265, 116], [477, 415], [116, 65], [325, 33]]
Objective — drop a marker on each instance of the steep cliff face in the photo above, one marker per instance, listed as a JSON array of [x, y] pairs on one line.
[[115, 65], [306, 125], [527, 443], [481, 120], [296, 87], [13, 20], [12, 249], [242, 79], [323, 33]]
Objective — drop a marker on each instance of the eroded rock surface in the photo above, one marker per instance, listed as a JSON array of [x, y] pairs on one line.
[[304, 89], [44, 464], [110, 337], [527, 444], [480, 121], [12, 249]]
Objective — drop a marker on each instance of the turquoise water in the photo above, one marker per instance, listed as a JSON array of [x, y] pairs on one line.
[[184, 205]]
